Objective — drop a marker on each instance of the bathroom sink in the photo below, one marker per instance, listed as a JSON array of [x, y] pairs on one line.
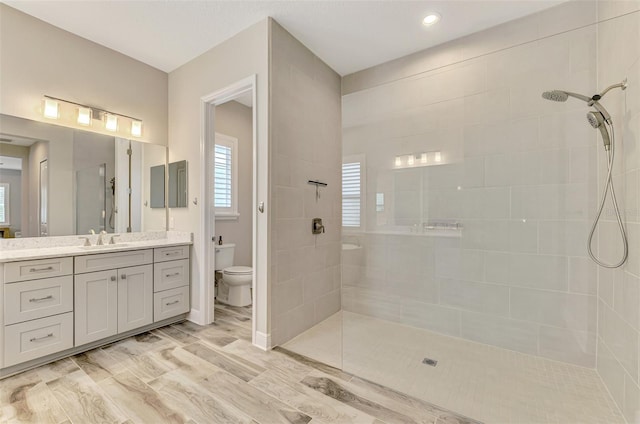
[[104, 246]]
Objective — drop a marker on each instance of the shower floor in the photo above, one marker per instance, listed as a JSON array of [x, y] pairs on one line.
[[483, 382]]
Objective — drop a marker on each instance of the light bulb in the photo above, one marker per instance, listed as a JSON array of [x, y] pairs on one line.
[[111, 122], [398, 161], [437, 157], [410, 160], [136, 128], [423, 158], [51, 108], [84, 116], [431, 19]]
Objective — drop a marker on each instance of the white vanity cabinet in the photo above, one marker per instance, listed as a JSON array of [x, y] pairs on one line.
[[60, 306], [170, 282], [38, 309], [112, 301]]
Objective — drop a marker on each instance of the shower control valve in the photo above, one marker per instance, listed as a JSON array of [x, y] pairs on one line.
[[316, 226]]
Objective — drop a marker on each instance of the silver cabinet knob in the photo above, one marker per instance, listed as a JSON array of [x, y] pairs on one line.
[[113, 278], [123, 276]]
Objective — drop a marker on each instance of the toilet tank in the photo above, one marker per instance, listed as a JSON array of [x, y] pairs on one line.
[[224, 256]]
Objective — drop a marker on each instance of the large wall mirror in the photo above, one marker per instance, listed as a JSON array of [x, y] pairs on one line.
[[60, 181]]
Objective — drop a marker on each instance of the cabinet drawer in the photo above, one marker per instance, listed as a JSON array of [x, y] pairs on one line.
[[170, 303], [34, 339], [37, 299], [169, 275], [172, 253], [105, 261], [40, 268]]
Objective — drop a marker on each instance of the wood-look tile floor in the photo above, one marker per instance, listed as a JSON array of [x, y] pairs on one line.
[[186, 373]]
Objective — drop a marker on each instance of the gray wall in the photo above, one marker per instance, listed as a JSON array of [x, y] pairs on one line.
[[234, 119], [305, 124]]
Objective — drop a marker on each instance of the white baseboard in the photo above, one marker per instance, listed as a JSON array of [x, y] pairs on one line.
[[263, 341], [196, 317]]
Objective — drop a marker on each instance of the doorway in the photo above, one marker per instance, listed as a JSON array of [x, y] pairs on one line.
[[229, 191]]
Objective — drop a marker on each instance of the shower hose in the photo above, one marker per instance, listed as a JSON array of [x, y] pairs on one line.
[[609, 187]]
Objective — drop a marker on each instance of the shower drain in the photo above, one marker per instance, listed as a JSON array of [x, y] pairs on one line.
[[429, 361]]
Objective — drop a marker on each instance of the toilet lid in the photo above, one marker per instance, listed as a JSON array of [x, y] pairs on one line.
[[238, 270]]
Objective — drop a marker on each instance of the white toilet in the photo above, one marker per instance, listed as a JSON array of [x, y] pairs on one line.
[[235, 287]]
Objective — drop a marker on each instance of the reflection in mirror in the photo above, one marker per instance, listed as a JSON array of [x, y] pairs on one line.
[[178, 184], [157, 186], [70, 181]]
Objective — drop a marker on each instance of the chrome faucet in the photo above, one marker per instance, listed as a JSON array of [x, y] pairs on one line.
[[100, 241], [86, 241], [113, 238]]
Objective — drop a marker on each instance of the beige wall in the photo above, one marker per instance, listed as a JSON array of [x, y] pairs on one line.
[[234, 119], [619, 289], [37, 59], [239, 57], [305, 128]]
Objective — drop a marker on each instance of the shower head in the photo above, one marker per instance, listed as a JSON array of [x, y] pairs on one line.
[[562, 96], [597, 121], [555, 96], [594, 119]]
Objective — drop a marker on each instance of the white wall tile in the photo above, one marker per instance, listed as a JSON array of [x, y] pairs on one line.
[[631, 407], [539, 271], [478, 297], [611, 372], [498, 331], [626, 299], [576, 347], [432, 317], [565, 238], [621, 339], [565, 310], [583, 275]]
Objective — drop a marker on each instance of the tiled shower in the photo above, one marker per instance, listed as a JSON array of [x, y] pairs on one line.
[[478, 195]]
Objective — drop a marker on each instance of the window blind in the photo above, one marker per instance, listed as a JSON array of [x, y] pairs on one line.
[[351, 194], [222, 174]]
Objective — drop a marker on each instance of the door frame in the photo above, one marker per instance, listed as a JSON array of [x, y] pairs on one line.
[[208, 104]]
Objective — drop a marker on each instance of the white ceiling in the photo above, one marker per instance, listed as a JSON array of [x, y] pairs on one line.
[[347, 35]]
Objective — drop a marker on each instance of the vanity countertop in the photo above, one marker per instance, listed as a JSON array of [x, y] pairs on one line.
[[49, 248]]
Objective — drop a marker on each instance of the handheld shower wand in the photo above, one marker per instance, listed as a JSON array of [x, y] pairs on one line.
[[600, 119]]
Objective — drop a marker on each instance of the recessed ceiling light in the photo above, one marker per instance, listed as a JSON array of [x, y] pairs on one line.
[[431, 19]]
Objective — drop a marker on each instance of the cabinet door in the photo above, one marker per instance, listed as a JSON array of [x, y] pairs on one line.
[[96, 306], [135, 297]]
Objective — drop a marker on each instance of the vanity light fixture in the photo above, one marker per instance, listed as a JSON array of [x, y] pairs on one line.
[[410, 160], [437, 157], [55, 108], [84, 116], [431, 18], [423, 158], [51, 108], [136, 128], [111, 122], [398, 161]]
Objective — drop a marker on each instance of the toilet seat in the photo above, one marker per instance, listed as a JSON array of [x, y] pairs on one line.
[[238, 270]]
